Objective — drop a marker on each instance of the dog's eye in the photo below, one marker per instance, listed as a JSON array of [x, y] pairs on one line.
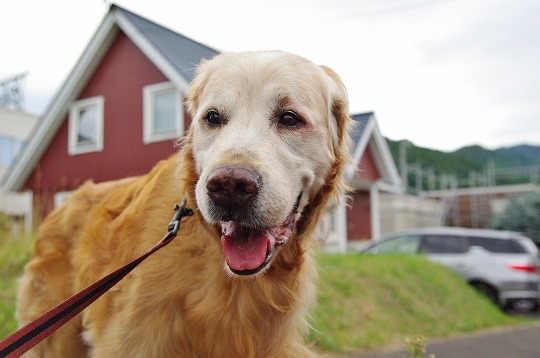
[[213, 118], [289, 119]]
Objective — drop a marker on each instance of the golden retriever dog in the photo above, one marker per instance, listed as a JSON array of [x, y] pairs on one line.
[[264, 156]]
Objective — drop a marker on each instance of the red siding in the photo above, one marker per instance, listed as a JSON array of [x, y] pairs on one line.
[[124, 71], [359, 214], [359, 217], [367, 169]]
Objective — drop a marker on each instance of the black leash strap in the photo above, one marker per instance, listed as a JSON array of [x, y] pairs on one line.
[[42, 327]]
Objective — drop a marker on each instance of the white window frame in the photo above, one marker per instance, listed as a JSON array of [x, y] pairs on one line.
[[74, 147], [148, 113], [61, 197]]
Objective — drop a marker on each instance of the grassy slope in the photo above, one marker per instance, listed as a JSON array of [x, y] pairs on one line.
[[365, 302], [14, 253]]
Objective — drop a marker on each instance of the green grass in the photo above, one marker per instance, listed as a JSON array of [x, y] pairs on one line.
[[365, 302], [14, 253], [368, 302]]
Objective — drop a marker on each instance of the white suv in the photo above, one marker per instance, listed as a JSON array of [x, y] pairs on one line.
[[501, 264]]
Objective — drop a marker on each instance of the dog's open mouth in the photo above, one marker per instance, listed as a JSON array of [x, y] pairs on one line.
[[248, 250]]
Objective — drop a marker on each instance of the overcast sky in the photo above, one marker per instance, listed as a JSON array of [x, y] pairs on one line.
[[441, 73]]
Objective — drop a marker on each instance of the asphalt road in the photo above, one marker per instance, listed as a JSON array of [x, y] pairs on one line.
[[517, 342]]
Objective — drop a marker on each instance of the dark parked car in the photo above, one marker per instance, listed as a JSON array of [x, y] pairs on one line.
[[503, 265]]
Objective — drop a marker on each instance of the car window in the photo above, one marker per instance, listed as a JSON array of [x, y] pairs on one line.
[[509, 246], [443, 244], [397, 245]]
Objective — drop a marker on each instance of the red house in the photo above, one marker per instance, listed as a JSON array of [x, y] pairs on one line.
[[120, 111], [117, 114], [373, 172]]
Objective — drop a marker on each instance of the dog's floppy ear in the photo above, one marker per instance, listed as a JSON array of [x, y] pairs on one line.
[[340, 111], [340, 125]]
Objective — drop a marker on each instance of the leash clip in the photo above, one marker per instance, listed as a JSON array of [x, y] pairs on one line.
[[180, 212]]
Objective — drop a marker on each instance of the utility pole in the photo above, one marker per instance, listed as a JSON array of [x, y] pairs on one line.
[[403, 165], [11, 91]]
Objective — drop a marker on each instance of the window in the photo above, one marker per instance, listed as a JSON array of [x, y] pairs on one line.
[[9, 147], [498, 245], [61, 197], [397, 245], [163, 114], [444, 244], [86, 126]]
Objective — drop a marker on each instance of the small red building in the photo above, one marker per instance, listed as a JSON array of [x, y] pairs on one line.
[[373, 172], [120, 111], [117, 114]]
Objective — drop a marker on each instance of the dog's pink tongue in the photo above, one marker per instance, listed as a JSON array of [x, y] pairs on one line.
[[244, 248]]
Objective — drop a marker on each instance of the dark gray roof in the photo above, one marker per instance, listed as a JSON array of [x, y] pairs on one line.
[[182, 52], [360, 122]]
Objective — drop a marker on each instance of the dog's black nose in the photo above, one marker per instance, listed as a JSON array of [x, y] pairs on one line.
[[232, 187]]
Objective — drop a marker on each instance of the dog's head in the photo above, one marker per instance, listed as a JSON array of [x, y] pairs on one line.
[[269, 144]]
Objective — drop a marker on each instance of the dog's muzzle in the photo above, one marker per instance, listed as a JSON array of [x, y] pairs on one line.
[[247, 248]]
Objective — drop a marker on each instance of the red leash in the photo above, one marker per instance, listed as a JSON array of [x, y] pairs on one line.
[[42, 327]]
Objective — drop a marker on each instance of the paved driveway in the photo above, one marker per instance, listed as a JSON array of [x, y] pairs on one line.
[[518, 342]]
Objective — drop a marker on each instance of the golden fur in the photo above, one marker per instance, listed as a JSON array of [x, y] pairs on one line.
[[183, 301]]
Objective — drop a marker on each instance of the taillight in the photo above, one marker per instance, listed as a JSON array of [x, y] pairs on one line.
[[524, 267]]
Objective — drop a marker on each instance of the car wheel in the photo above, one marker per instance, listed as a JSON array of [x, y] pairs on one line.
[[487, 290], [524, 305]]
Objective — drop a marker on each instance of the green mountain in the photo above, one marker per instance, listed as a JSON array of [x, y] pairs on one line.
[[486, 156], [522, 154], [462, 162]]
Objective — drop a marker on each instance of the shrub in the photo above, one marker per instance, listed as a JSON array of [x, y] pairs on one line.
[[522, 214]]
